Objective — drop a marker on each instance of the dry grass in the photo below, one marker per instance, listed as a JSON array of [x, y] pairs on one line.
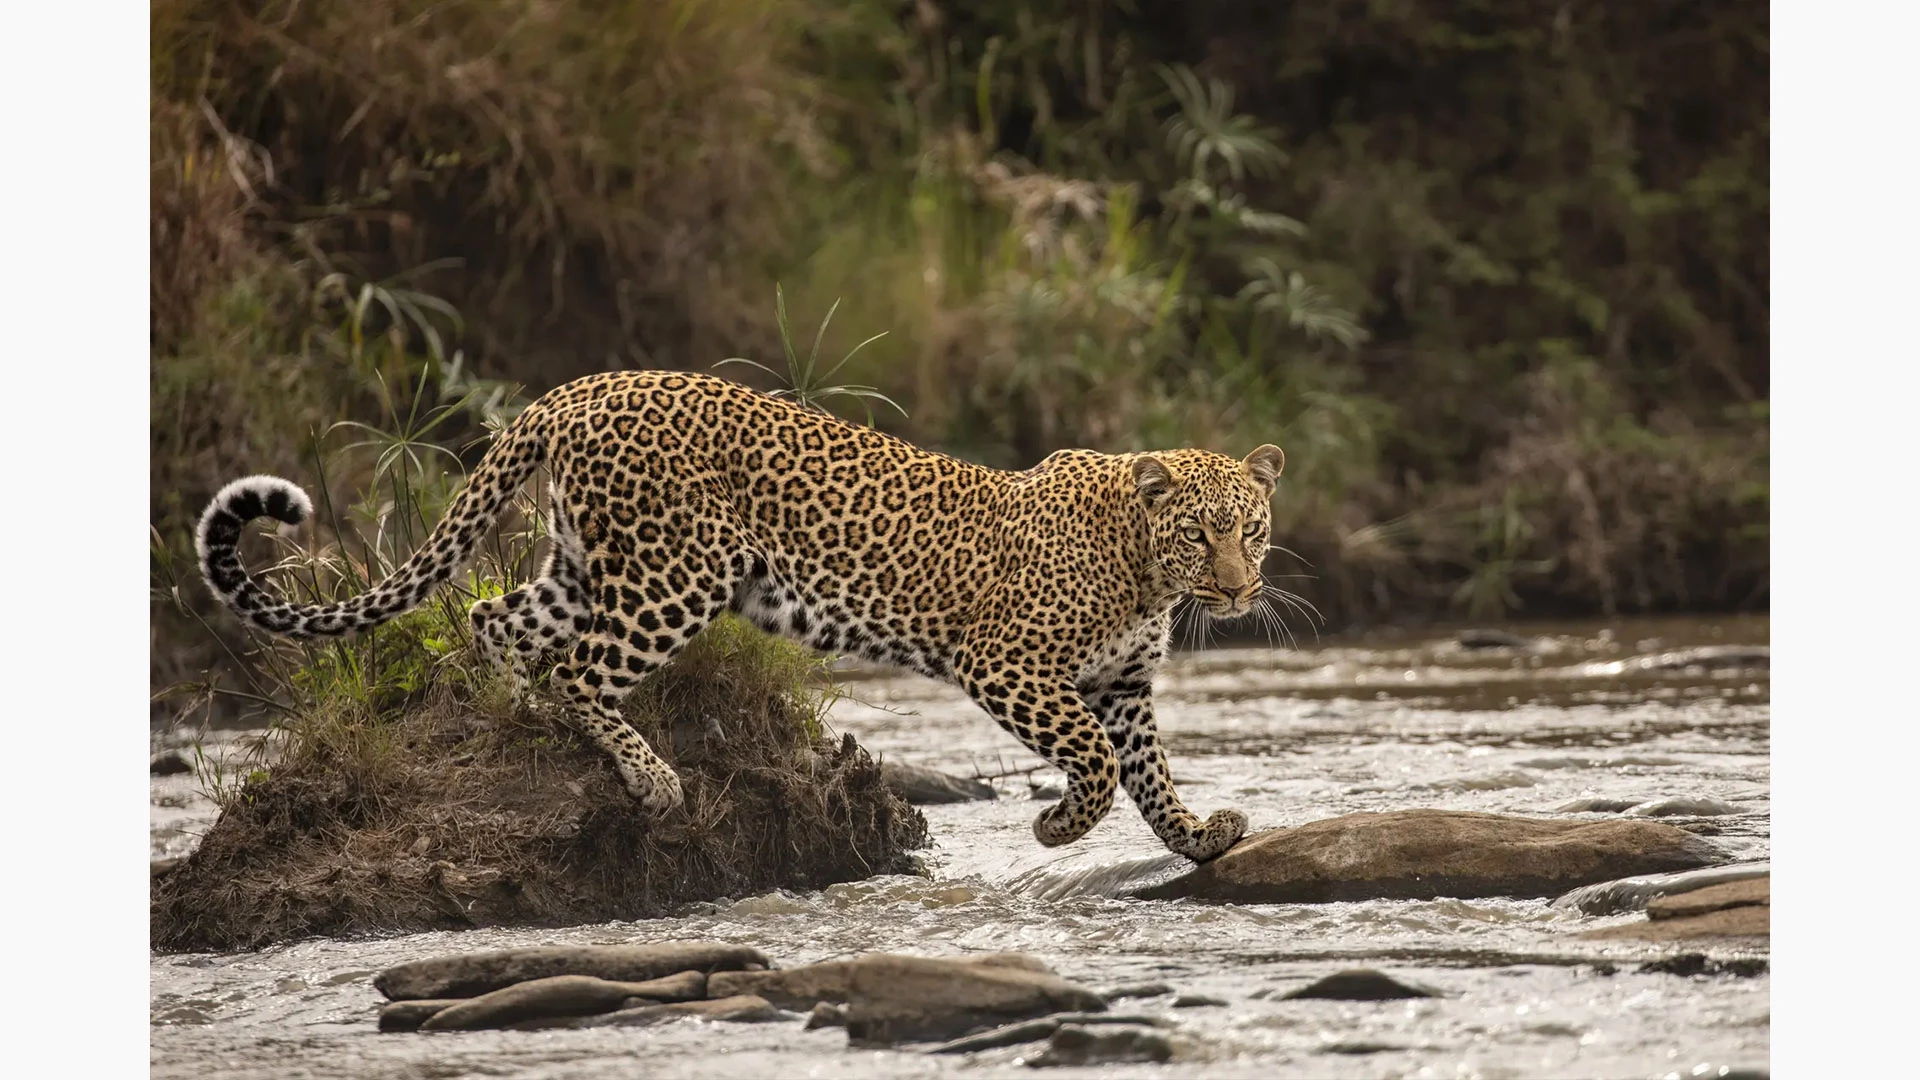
[[461, 813]]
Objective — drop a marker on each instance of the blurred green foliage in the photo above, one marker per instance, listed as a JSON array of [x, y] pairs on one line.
[[1493, 272]]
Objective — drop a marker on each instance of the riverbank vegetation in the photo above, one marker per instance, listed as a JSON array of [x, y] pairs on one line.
[[1495, 275]]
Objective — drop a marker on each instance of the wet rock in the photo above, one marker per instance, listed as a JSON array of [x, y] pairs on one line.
[[1732, 909], [1491, 639], [1022, 961], [1048, 791], [1708, 657], [923, 787], [896, 1001], [1362, 1046], [1075, 1045], [1730, 894], [561, 996], [1634, 893], [1740, 922], [169, 763], [1197, 1001], [1138, 990], [1423, 854], [914, 998], [1682, 806], [160, 868], [1034, 1030], [473, 974], [789, 988], [1693, 963], [1361, 984], [827, 1014], [835, 981], [739, 1009], [1596, 806], [409, 1015]]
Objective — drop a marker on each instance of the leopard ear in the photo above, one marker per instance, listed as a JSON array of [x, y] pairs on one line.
[[1263, 466], [1152, 480]]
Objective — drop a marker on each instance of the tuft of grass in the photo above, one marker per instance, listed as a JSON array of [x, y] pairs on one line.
[[805, 383]]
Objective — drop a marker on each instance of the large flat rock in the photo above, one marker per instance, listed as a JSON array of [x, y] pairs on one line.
[[464, 975], [1423, 854], [893, 998], [1735, 909], [1635, 893]]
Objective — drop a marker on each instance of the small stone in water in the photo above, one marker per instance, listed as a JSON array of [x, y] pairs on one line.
[[1683, 806], [1191, 1001], [1073, 1045], [1491, 639], [1360, 984], [1138, 990], [1596, 806], [827, 1014]]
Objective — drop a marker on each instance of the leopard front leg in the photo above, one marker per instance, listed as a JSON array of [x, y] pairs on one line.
[[1046, 714], [1125, 709]]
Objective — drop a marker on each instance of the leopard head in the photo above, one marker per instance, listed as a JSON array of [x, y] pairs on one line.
[[1207, 520]]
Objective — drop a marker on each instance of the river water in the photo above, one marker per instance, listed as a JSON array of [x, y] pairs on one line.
[[1374, 722]]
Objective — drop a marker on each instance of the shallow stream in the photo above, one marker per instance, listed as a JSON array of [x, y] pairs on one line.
[[1380, 722]]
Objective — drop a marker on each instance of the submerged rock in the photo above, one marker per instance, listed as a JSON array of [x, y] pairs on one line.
[[1682, 806], [561, 996], [472, 974], [1711, 657], [1491, 639], [1634, 893], [1034, 1030], [169, 763], [925, 787], [1423, 854], [1361, 984], [1138, 990], [1596, 806], [1075, 1045], [1689, 964]]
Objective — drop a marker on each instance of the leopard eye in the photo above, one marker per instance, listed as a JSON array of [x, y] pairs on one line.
[[1194, 535], [1251, 529]]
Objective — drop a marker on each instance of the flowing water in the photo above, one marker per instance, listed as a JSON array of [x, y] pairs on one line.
[[1383, 722]]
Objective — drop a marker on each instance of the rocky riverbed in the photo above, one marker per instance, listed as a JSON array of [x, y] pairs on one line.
[[1532, 769]]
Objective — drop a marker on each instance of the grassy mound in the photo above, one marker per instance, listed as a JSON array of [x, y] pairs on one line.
[[448, 807]]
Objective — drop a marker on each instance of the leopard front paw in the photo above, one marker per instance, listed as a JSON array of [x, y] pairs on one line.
[[1212, 840], [1058, 824]]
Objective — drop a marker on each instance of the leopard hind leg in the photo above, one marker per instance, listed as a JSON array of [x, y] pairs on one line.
[[644, 610], [511, 631]]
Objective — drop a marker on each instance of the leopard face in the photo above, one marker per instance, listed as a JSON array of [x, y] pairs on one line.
[[1207, 522]]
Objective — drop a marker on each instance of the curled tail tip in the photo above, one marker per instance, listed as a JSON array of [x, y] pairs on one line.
[[243, 500], [263, 496]]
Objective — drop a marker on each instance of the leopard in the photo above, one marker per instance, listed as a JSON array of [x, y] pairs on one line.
[[1046, 594]]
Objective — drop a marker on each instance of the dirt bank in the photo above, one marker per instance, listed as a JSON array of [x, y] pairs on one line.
[[444, 816]]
